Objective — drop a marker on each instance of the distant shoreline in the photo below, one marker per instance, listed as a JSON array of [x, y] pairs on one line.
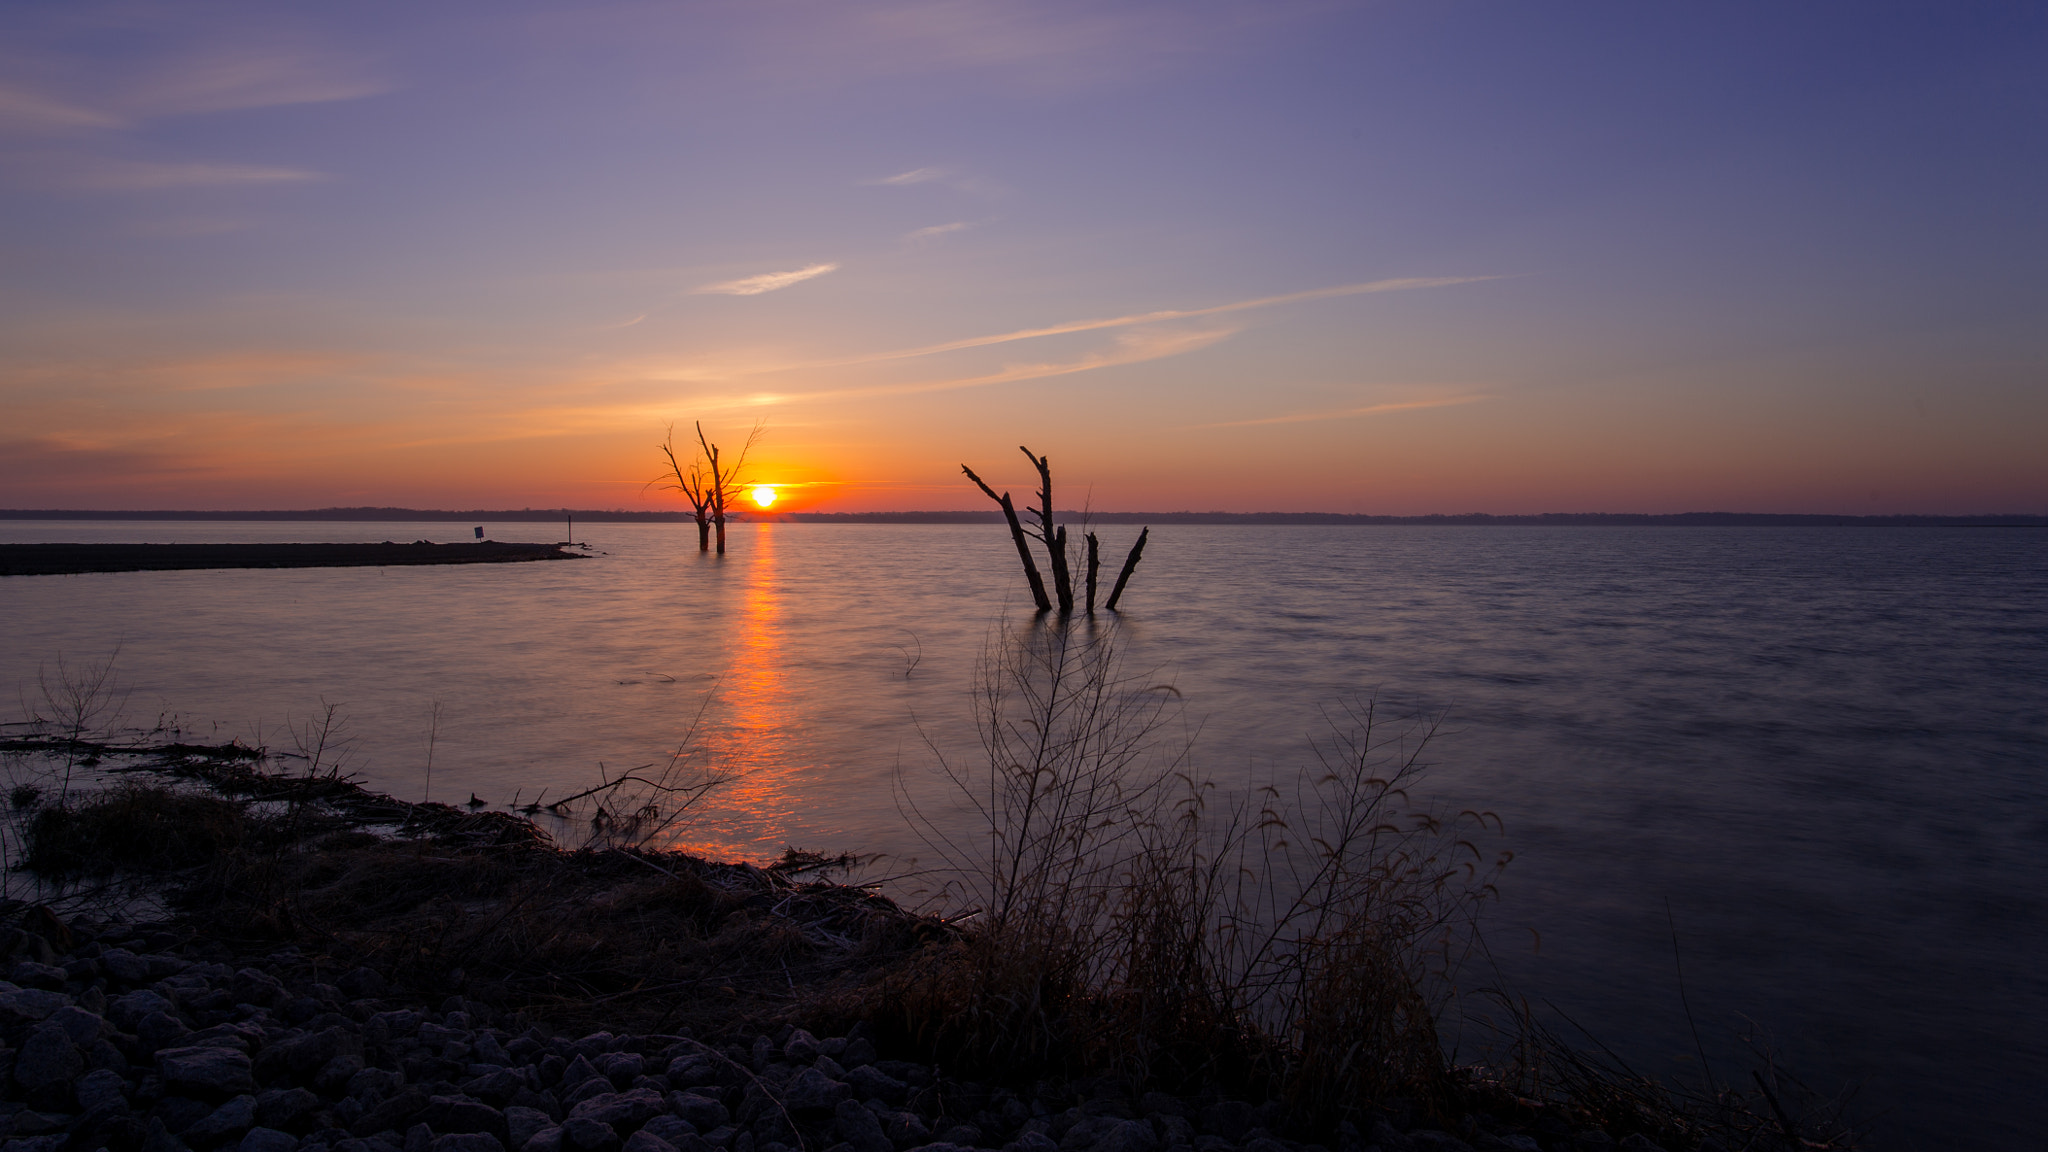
[[554, 515]]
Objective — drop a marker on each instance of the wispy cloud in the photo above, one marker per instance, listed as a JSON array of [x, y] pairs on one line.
[[109, 174], [765, 282], [1158, 317], [231, 78], [24, 112], [1342, 413], [914, 176], [1130, 348], [938, 230]]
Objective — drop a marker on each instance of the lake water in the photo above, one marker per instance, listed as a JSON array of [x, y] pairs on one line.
[[1822, 754]]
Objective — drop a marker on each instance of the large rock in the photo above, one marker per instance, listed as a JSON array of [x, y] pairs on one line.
[[1133, 1136], [393, 1114], [459, 1114], [871, 1083], [127, 1012], [30, 1004], [645, 1141], [229, 1120], [253, 986], [214, 1071], [584, 1134], [579, 1072], [267, 1140], [281, 1108], [812, 1093], [859, 1127], [303, 1057], [47, 1058], [623, 1111], [466, 1142], [125, 966], [702, 1112], [522, 1123]]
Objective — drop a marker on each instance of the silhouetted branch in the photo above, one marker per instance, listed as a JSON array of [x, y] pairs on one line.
[[1130, 566], [1055, 540], [1017, 535], [1094, 562]]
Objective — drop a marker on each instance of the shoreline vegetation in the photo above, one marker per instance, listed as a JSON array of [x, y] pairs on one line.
[[69, 559], [221, 946], [1068, 516]]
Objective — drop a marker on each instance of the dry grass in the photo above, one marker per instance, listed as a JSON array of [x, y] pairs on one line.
[[133, 827], [1292, 943]]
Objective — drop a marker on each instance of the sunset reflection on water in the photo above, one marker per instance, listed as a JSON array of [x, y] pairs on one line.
[[749, 727]]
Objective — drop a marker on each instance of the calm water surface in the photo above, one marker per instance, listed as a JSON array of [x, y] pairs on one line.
[[1824, 751]]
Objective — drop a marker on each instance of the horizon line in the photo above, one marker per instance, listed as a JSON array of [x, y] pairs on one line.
[[380, 513]]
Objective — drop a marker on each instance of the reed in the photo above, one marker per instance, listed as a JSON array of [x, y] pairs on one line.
[[1123, 918]]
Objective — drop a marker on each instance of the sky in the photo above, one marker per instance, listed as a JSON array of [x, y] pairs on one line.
[[1395, 258]]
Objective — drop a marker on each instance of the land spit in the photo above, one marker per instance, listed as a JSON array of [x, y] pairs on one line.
[[341, 971], [64, 559]]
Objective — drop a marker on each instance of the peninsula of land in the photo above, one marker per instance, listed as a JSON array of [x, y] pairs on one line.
[[64, 559]]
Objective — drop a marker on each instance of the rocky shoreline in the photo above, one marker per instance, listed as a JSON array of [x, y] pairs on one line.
[[145, 1038], [349, 972]]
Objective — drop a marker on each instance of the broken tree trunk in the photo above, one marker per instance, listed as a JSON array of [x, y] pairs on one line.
[[1055, 540], [1017, 535], [1130, 566], [1093, 563]]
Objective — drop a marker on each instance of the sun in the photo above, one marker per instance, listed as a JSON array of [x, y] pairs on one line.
[[763, 496]]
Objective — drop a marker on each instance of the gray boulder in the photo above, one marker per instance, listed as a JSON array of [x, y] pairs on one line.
[[231, 1119], [267, 1140], [871, 1083], [466, 1142], [548, 1139], [128, 1011], [859, 1127], [461, 1115], [30, 1004], [521, 1123], [217, 1071], [83, 1027], [280, 1108], [674, 1130], [645, 1141], [811, 1092], [702, 1112], [1136, 1136], [102, 1093], [622, 1111], [584, 1134], [125, 966], [47, 1058]]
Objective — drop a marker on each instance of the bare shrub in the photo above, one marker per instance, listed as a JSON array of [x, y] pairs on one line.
[[1120, 918]]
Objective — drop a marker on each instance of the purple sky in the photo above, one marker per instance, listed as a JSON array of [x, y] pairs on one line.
[[1399, 257]]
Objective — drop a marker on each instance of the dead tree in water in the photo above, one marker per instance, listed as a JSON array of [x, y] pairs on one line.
[[1130, 566], [1054, 537], [725, 482], [1017, 534], [692, 483]]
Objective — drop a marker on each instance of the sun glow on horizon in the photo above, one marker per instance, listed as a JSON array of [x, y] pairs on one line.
[[763, 496]]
